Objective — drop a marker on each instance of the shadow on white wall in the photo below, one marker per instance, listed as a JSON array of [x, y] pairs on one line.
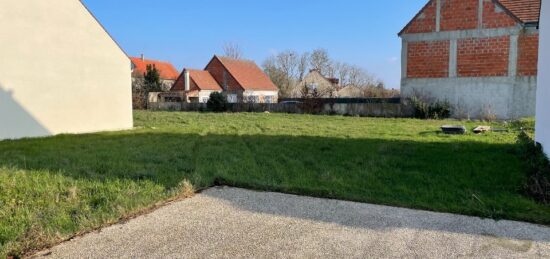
[[15, 120], [543, 88]]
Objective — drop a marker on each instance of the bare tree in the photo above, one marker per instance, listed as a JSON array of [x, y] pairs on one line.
[[359, 77], [320, 61], [342, 71], [288, 69], [275, 74], [285, 69], [303, 65], [233, 50], [288, 63], [279, 76]]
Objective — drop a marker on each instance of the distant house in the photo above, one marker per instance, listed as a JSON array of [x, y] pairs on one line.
[[197, 85], [315, 81], [168, 73], [479, 55], [60, 71], [238, 80]]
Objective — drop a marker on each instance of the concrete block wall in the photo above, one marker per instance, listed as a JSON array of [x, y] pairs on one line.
[[505, 97], [453, 47]]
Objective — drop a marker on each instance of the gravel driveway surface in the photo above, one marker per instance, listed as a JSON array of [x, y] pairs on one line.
[[230, 222]]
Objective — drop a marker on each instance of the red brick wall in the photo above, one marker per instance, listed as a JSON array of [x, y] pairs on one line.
[[425, 22], [528, 46], [494, 17], [180, 84], [217, 70], [428, 59], [476, 57], [483, 57], [459, 14]]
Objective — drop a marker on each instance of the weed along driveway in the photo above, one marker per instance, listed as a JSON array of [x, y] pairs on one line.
[[228, 222]]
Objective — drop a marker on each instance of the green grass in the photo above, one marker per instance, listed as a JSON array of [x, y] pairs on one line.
[[52, 188]]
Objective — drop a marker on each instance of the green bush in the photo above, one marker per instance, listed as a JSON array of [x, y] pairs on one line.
[[437, 110], [538, 169], [217, 102]]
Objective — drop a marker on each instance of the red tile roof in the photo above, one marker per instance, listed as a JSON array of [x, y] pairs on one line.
[[167, 71], [248, 74], [204, 80], [527, 11]]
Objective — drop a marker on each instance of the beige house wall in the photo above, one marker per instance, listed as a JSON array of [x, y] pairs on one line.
[[324, 87], [60, 71]]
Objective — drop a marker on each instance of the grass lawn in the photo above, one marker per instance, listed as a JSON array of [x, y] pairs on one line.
[[52, 188]]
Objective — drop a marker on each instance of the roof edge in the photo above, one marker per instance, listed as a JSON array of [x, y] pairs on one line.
[[104, 29], [414, 18], [224, 66], [322, 76], [497, 2]]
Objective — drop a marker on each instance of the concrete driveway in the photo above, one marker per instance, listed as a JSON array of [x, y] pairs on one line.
[[229, 222]]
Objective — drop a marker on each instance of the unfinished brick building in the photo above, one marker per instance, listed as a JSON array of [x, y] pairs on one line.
[[479, 55]]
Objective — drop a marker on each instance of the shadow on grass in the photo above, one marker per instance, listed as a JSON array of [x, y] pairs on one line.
[[471, 178]]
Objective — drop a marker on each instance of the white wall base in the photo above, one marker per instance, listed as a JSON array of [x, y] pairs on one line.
[[505, 97]]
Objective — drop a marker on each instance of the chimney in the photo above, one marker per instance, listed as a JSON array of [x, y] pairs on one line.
[[142, 57], [187, 80]]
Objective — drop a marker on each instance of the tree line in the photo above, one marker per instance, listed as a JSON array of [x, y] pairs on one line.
[[288, 68]]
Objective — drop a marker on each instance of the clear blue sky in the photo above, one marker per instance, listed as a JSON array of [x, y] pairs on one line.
[[188, 33]]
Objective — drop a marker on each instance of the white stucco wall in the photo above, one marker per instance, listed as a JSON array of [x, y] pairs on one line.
[[543, 89], [60, 72]]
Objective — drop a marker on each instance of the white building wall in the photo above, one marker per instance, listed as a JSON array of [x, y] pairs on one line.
[[543, 90], [274, 95], [60, 72], [204, 96]]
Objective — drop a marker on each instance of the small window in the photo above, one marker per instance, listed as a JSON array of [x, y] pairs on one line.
[[269, 99], [232, 98], [205, 99]]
